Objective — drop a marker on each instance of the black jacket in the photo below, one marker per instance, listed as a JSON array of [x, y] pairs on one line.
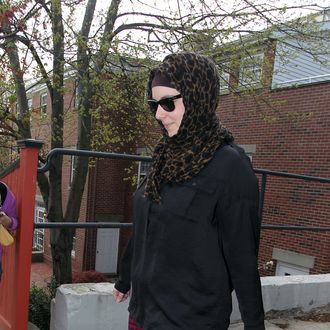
[[189, 252]]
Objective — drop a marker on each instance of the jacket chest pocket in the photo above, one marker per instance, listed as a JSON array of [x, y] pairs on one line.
[[194, 199]]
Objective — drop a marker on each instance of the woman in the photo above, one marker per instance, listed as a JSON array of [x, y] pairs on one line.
[[196, 227], [8, 216]]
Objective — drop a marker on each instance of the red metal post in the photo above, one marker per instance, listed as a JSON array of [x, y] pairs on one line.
[[28, 180], [14, 311]]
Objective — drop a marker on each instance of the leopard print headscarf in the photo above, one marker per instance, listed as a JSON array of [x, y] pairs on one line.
[[182, 156]]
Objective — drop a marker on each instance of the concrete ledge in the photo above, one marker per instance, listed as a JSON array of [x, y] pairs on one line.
[[301, 291], [87, 306], [281, 293], [91, 306]]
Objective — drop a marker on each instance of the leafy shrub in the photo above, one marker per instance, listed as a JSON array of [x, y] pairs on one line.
[[89, 276], [39, 304]]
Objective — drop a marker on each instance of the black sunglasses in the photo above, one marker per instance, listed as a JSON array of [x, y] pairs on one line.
[[167, 103]]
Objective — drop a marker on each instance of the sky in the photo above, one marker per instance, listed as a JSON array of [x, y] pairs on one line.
[[173, 7]]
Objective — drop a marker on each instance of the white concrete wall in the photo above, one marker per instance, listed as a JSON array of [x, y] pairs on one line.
[[91, 306], [87, 307], [300, 291]]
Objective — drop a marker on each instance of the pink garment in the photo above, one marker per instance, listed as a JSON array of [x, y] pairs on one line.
[[8, 205]]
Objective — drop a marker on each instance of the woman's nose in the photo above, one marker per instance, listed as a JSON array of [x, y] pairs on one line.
[[160, 112]]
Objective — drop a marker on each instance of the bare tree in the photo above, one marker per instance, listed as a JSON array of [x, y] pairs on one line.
[[121, 37]]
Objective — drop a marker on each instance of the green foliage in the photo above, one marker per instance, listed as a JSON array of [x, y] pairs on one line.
[[8, 154], [39, 304], [121, 118], [199, 41], [110, 92]]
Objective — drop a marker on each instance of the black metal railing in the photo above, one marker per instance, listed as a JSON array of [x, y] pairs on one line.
[[98, 154], [88, 225], [86, 153], [264, 174]]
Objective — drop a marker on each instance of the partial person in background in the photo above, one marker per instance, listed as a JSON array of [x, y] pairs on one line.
[[8, 213], [196, 226]]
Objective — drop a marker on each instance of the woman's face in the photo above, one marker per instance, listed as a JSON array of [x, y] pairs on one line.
[[170, 120]]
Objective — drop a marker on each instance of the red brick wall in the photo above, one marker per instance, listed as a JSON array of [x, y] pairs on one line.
[[107, 192], [294, 137], [290, 129], [41, 130], [110, 197]]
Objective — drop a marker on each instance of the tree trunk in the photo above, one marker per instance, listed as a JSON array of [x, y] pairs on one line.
[[61, 252], [61, 239]]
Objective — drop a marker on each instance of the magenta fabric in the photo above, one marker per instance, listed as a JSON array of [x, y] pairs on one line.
[[9, 207], [132, 325]]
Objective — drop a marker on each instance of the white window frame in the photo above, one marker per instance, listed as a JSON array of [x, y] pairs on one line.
[[224, 82], [43, 102], [29, 103], [73, 251], [250, 73], [143, 169], [73, 165], [39, 233]]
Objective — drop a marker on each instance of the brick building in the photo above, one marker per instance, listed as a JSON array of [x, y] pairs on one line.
[[107, 193], [283, 125], [299, 145]]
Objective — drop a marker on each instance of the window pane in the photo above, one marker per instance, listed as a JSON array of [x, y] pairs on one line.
[[30, 104], [38, 236], [143, 170], [251, 70], [43, 102]]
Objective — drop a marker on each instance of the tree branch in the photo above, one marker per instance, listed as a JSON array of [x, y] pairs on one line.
[[35, 55]]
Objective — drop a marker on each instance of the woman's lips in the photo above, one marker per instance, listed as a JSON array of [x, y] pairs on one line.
[[167, 125]]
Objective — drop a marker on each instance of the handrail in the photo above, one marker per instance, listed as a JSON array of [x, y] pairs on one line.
[[50, 225], [87, 153], [100, 154], [292, 175], [264, 174]]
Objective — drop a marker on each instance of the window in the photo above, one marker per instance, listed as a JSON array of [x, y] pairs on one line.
[[73, 167], [143, 167], [30, 104], [251, 70], [224, 82], [143, 170], [73, 251], [38, 236], [43, 102]]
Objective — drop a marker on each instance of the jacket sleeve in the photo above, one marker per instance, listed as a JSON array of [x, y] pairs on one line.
[[123, 284], [9, 207], [239, 228]]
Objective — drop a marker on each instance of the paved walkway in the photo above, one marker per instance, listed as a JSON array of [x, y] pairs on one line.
[[288, 324], [41, 273]]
